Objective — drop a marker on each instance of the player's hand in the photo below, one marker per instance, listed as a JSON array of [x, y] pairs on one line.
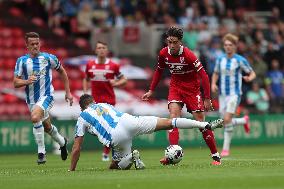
[[246, 78], [208, 105], [214, 88], [147, 95], [69, 97], [112, 82], [31, 79]]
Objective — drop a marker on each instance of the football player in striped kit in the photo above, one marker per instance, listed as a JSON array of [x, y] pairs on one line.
[[117, 129], [104, 75], [228, 70], [34, 72]]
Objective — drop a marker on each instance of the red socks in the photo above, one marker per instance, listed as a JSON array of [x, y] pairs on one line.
[[173, 136], [209, 138], [106, 150]]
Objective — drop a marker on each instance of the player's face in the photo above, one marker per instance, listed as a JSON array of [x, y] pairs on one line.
[[229, 47], [33, 46], [101, 50], [174, 44]]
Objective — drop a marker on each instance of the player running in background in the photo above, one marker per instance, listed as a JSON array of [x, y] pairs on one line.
[[34, 72], [104, 74], [186, 70], [117, 129], [228, 70]]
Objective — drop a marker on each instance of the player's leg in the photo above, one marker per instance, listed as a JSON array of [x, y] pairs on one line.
[[228, 134], [229, 107], [209, 139], [57, 137], [37, 114], [105, 154], [175, 112], [175, 105], [123, 157], [242, 121], [184, 123]]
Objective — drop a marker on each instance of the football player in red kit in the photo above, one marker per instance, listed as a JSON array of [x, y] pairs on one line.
[[103, 74], [186, 71]]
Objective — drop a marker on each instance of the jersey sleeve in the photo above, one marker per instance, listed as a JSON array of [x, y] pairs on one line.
[[217, 66], [245, 66], [18, 67], [55, 64], [117, 72], [161, 61], [86, 73], [194, 60], [80, 127], [158, 72]]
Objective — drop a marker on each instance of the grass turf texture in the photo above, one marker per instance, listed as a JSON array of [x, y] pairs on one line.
[[248, 167]]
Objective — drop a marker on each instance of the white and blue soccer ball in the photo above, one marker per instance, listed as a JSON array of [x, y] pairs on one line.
[[174, 154]]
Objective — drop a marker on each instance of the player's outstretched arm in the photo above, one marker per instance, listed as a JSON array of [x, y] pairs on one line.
[[68, 95], [147, 95], [75, 154]]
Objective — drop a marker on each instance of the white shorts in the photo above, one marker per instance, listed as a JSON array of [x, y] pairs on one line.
[[228, 104], [45, 103], [128, 127]]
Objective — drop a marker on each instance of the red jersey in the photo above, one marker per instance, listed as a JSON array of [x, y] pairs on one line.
[[185, 68], [99, 75]]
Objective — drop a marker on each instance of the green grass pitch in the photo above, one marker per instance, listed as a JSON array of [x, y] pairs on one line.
[[259, 167]]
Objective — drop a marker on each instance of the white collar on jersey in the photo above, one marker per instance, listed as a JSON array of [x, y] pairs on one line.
[[180, 50], [106, 62]]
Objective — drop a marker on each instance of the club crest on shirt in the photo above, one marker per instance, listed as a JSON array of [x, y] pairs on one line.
[[181, 59], [44, 62]]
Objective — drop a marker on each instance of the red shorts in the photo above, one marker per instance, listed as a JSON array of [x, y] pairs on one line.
[[192, 99]]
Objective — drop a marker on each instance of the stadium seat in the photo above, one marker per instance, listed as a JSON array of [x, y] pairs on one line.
[[9, 63], [8, 98], [61, 53], [38, 21], [76, 85], [17, 32], [58, 84], [8, 75], [15, 12]]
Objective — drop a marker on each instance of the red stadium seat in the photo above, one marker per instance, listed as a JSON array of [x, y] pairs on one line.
[[76, 85], [11, 110], [8, 98], [16, 12], [8, 75], [38, 21], [9, 63], [58, 84], [17, 33]]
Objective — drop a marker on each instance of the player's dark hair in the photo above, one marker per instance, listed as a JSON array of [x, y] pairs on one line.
[[175, 32], [85, 100], [31, 35]]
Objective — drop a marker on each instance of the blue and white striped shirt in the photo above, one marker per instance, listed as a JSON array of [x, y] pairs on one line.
[[98, 119], [39, 66], [230, 73]]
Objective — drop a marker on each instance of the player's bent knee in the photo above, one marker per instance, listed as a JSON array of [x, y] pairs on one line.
[[35, 118], [113, 165]]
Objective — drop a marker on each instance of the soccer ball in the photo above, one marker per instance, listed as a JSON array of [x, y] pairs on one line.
[[174, 154]]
